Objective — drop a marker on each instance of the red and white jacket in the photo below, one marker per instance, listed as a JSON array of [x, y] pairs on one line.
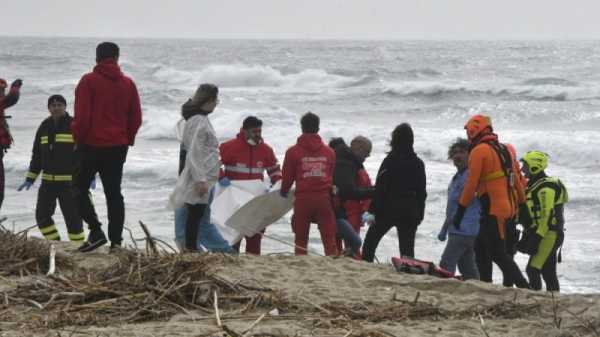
[[310, 164], [242, 161]]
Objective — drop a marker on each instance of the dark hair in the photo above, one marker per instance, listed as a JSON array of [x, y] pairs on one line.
[[402, 139], [205, 93], [251, 122], [460, 144], [336, 141], [310, 123], [106, 50], [56, 98]]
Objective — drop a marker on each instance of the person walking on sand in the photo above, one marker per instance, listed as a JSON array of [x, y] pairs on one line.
[[460, 247], [201, 169], [248, 157], [492, 173], [54, 156], [6, 101], [310, 164], [107, 117], [544, 222], [400, 194]]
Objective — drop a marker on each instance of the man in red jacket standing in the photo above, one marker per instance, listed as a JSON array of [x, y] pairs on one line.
[[107, 118], [6, 101], [310, 164], [247, 157]]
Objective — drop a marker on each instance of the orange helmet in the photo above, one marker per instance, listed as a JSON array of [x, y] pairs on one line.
[[477, 124]]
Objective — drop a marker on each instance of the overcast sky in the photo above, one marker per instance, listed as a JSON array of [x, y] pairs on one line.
[[318, 19]]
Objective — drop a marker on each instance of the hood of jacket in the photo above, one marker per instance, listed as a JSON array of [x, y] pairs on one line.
[[109, 68], [311, 142], [343, 152], [190, 109]]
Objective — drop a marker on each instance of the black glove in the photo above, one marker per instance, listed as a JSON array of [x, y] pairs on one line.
[[17, 83], [529, 244], [524, 216], [458, 216]]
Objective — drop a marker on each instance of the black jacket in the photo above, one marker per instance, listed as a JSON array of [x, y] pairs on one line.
[[345, 175], [53, 151], [400, 190]]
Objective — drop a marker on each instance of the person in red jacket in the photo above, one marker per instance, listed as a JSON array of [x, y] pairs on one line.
[[356, 208], [310, 164], [247, 157], [107, 118], [6, 101]]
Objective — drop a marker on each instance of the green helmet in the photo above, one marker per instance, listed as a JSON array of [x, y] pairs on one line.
[[537, 161]]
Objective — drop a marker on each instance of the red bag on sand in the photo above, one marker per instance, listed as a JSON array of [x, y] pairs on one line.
[[414, 266]]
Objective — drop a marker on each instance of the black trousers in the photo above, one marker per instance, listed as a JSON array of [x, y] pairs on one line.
[[195, 213], [489, 247], [48, 193], [108, 163], [406, 239]]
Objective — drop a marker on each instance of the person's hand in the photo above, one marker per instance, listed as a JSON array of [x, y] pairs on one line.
[[442, 236], [224, 182], [368, 218], [458, 216], [25, 185], [17, 83], [283, 194], [93, 184], [202, 188]]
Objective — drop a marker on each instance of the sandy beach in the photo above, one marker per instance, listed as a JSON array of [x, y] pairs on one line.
[[294, 296]]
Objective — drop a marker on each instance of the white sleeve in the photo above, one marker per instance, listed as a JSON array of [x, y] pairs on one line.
[[202, 154]]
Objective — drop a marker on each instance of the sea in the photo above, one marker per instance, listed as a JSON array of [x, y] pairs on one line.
[[541, 95]]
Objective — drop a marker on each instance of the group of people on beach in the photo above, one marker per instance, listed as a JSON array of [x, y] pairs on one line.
[[487, 197]]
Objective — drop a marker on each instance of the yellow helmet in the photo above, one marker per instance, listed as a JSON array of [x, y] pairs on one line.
[[537, 161]]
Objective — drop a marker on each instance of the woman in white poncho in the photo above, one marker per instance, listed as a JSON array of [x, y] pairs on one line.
[[202, 163]]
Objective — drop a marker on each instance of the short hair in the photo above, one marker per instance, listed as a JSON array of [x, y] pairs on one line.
[[107, 50], [251, 122], [310, 123], [56, 98], [336, 141], [460, 144]]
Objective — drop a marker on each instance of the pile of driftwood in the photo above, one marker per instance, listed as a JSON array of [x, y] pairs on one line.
[[21, 255]]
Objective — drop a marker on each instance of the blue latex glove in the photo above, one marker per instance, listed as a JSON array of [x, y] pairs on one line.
[[26, 185], [224, 182], [368, 218], [93, 184], [442, 236]]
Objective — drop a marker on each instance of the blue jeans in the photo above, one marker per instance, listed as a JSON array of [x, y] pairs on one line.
[[346, 232], [209, 236], [460, 251]]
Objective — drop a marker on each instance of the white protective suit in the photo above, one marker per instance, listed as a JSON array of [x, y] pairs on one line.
[[201, 164]]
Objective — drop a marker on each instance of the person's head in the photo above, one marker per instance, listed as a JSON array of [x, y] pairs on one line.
[[3, 86], [335, 142], [107, 50], [459, 153], [57, 106], [310, 123], [252, 127], [402, 139], [478, 126], [206, 97], [361, 147], [534, 163]]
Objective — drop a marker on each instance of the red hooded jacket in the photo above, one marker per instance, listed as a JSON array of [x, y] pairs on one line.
[[310, 164], [6, 102], [242, 161], [107, 107]]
